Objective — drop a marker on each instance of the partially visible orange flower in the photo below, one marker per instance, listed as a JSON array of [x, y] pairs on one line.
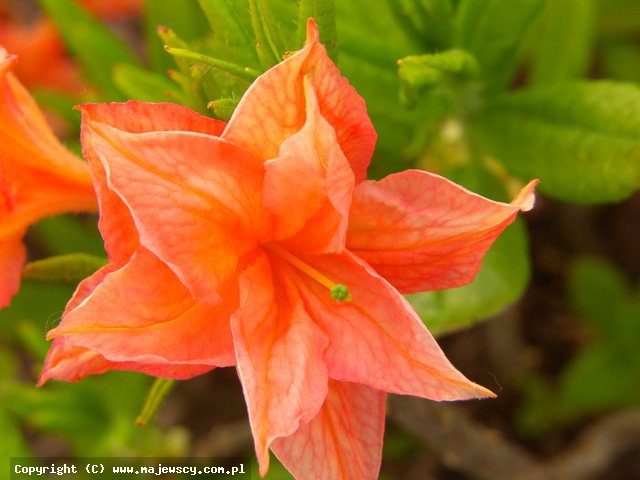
[[260, 244], [114, 9], [38, 176], [43, 60]]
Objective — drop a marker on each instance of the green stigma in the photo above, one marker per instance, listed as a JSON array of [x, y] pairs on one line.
[[340, 292]]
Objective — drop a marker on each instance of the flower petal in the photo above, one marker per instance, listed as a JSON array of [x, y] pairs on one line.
[[423, 232], [12, 257], [43, 60], [142, 314], [273, 108], [38, 176], [116, 225], [376, 338], [71, 364], [308, 188], [344, 441], [140, 117], [195, 199], [279, 352]]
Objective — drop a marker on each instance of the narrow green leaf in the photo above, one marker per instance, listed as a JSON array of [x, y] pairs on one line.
[[581, 139], [244, 73], [96, 47], [324, 13], [172, 40], [501, 280], [223, 107], [561, 41], [159, 390], [64, 268], [493, 31], [268, 44], [429, 22], [140, 84], [231, 24], [185, 18], [431, 69]]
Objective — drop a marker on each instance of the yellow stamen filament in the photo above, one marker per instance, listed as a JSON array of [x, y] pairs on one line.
[[338, 291]]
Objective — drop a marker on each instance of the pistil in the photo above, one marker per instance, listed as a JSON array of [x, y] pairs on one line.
[[339, 292]]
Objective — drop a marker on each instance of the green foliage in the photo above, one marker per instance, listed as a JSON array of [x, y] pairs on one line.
[[185, 18], [93, 416], [96, 48], [562, 41], [140, 84], [492, 30], [323, 12], [65, 234], [580, 139], [429, 70], [605, 373]]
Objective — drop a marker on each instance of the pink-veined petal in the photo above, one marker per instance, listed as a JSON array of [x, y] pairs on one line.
[[115, 223], [343, 441], [279, 353], [423, 232], [273, 108], [70, 363], [308, 188], [141, 117], [142, 314], [195, 199], [376, 338], [12, 258]]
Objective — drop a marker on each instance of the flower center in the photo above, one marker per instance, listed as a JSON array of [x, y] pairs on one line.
[[339, 292]]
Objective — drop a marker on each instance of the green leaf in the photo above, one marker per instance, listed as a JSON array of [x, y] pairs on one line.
[[243, 73], [561, 42], [431, 69], [582, 140], [63, 234], [230, 22], [501, 280], [430, 22], [96, 47], [269, 46], [223, 107], [185, 18], [599, 378], [598, 292], [12, 444], [324, 13], [140, 84], [64, 268], [493, 31], [621, 60]]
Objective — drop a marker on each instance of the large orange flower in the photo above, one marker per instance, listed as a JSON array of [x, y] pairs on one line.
[[38, 176], [259, 244]]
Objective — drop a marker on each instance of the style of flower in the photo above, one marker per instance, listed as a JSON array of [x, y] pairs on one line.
[[260, 244], [38, 176]]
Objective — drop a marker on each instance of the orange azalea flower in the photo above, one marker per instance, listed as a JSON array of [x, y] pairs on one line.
[[259, 244], [38, 176], [43, 60]]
